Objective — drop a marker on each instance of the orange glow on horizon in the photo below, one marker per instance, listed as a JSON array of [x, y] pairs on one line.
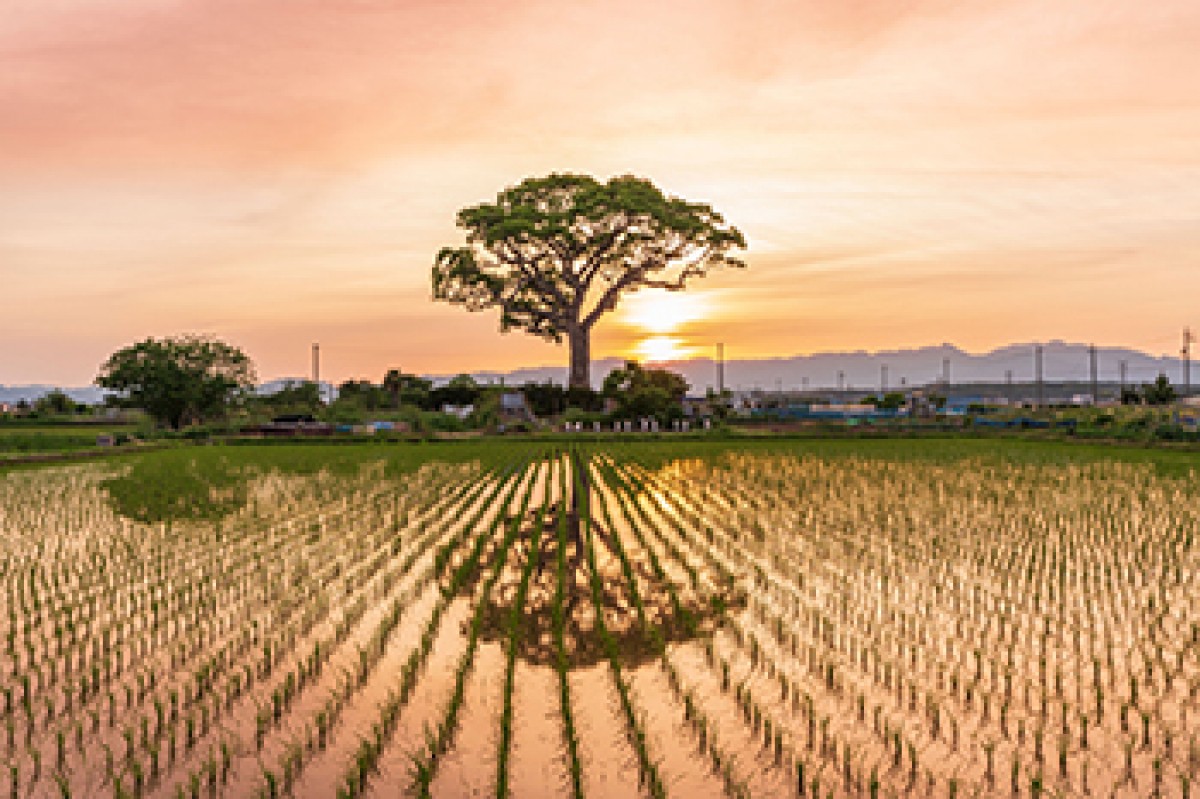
[[662, 349], [665, 315]]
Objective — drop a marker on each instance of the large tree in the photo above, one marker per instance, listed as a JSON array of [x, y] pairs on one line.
[[554, 254], [177, 380]]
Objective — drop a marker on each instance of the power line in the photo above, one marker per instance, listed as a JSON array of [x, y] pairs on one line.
[[1186, 352]]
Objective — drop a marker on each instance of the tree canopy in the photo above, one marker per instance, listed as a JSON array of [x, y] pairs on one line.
[[641, 392], [178, 380], [57, 402], [1160, 392], [554, 254]]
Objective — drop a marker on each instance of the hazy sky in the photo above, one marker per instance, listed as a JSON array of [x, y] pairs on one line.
[[278, 172]]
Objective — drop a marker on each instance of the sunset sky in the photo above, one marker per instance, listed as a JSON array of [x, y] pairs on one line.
[[279, 172]]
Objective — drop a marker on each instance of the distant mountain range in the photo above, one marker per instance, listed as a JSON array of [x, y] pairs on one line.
[[1061, 362]]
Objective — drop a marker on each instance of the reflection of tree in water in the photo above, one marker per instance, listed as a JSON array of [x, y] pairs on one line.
[[697, 613]]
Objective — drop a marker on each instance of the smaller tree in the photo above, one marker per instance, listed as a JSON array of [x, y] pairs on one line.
[[294, 396], [460, 390], [56, 402], [406, 389], [1160, 392], [640, 392], [175, 380], [893, 400]]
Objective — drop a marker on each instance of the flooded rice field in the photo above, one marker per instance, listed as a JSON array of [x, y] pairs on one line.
[[603, 622]]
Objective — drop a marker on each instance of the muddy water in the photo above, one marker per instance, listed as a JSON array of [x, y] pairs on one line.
[[752, 762], [469, 768], [246, 774], [235, 727], [425, 707], [325, 770], [537, 763], [684, 770], [610, 767]]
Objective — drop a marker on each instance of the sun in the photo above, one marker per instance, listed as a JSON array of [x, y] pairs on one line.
[[662, 314], [660, 349]]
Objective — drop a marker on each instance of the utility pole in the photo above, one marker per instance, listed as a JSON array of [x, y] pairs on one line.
[[946, 372], [882, 380], [720, 369], [841, 379], [1037, 372], [316, 367], [1122, 367], [1095, 382], [1188, 338]]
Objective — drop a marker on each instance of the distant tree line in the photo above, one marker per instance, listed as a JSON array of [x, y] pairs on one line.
[[191, 380]]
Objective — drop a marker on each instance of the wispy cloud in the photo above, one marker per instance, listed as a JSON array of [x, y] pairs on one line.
[[905, 173]]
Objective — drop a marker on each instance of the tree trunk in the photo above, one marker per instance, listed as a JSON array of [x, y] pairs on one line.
[[580, 341]]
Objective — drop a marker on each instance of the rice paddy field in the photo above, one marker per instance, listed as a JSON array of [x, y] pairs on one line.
[[923, 618]]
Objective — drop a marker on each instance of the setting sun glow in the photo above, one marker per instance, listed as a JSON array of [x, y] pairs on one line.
[[662, 313], [659, 349]]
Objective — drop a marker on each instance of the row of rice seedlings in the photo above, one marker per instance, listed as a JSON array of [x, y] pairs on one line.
[[318, 731], [707, 736], [327, 718], [514, 625], [961, 690], [294, 754], [647, 769], [307, 670], [772, 735], [561, 662], [439, 740], [366, 757]]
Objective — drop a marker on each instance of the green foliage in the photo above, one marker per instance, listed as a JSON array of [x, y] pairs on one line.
[[550, 399], [1160, 392], [178, 485], [642, 392], [57, 403], [893, 400], [25, 441], [177, 380], [406, 389], [295, 396]]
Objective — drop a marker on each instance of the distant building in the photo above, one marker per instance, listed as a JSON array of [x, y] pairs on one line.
[[697, 407], [293, 424], [514, 407], [461, 411]]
